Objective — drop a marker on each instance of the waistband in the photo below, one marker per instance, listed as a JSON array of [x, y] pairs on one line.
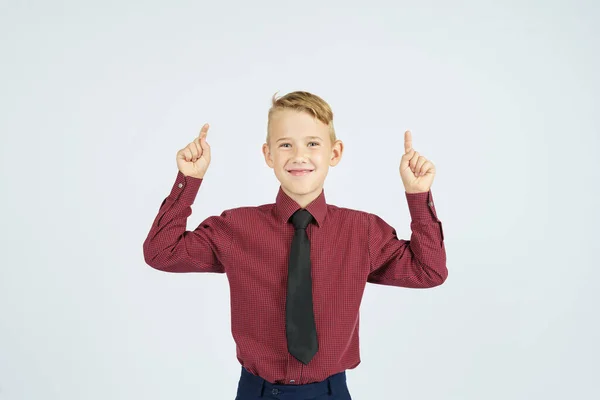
[[256, 385]]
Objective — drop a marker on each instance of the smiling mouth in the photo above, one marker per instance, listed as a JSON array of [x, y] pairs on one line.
[[300, 172]]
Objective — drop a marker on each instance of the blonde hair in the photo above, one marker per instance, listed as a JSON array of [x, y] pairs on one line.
[[304, 102]]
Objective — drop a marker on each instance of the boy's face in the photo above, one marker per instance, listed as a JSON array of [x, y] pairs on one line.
[[298, 141]]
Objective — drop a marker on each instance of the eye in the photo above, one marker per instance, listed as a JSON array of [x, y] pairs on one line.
[[285, 144]]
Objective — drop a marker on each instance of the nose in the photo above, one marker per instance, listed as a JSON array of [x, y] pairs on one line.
[[299, 153]]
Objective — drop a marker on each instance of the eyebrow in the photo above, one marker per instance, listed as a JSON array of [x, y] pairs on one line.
[[307, 137]]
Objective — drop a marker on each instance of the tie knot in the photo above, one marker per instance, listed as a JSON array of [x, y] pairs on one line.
[[301, 218]]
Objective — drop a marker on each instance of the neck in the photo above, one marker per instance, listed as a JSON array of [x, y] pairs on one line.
[[304, 200]]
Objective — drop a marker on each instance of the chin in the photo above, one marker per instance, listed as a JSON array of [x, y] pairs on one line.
[[302, 187]]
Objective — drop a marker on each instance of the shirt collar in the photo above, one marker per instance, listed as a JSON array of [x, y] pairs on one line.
[[286, 206]]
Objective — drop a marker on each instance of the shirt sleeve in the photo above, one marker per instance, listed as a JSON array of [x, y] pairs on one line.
[[170, 247], [416, 263]]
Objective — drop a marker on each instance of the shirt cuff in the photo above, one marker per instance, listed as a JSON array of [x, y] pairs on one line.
[[421, 207], [185, 188]]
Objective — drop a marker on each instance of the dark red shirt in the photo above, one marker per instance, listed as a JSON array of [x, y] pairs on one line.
[[251, 246]]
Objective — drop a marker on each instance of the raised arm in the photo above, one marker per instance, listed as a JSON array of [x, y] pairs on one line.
[[168, 246], [416, 263], [421, 261]]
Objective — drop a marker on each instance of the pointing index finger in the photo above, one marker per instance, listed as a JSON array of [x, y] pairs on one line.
[[407, 141], [203, 131]]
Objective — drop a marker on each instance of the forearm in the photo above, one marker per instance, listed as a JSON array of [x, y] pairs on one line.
[[165, 239]]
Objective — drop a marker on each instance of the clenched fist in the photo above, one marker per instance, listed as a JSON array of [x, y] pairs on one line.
[[193, 159]]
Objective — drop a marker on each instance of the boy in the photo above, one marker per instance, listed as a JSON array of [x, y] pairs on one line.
[[297, 268]]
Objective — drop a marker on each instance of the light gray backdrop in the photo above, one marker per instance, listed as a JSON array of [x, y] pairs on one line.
[[97, 97]]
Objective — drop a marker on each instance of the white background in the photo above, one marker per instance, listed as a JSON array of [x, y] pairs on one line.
[[97, 97]]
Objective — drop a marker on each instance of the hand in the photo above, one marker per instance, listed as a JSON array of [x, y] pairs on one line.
[[193, 160], [415, 170]]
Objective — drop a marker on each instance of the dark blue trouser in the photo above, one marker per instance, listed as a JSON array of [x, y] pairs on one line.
[[252, 387]]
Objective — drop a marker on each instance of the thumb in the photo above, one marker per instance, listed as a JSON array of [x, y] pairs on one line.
[[205, 147], [404, 161]]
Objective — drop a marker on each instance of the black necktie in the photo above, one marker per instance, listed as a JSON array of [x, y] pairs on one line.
[[300, 320]]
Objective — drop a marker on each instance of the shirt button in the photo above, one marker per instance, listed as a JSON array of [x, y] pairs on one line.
[[180, 185], [292, 381], [431, 204]]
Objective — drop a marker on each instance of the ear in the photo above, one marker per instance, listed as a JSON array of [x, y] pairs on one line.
[[267, 155], [336, 153]]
